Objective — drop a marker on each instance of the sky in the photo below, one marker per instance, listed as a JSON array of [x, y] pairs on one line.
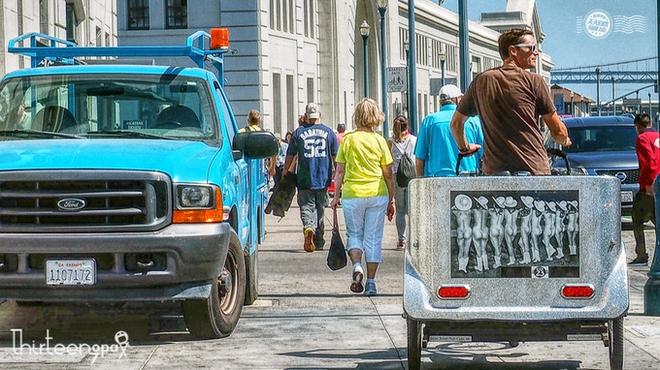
[[628, 39]]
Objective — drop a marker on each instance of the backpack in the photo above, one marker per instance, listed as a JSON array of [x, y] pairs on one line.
[[406, 170]]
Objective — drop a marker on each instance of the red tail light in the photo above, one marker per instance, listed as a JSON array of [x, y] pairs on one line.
[[454, 291], [573, 291]]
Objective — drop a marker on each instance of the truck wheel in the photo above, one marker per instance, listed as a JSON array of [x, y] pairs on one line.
[[252, 266], [414, 344], [217, 316], [615, 336]]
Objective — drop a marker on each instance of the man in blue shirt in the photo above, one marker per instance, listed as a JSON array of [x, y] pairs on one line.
[[436, 151], [315, 145]]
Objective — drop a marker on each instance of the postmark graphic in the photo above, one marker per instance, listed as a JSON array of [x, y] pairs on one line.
[[598, 24]]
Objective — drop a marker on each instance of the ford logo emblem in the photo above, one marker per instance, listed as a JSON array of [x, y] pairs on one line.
[[621, 176], [71, 204]]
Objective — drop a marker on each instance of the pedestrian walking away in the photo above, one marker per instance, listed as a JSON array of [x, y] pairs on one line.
[[508, 100], [436, 150], [402, 142], [364, 179], [648, 156], [315, 146], [341, 130]]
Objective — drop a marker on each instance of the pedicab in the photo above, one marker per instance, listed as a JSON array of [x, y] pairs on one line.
[[515, 259]]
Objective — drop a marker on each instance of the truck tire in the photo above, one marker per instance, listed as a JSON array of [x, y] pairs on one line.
[[615, 336], [252, 266], [414, 344], [217, 316]]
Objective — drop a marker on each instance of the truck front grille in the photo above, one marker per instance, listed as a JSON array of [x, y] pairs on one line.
[[87, 201]]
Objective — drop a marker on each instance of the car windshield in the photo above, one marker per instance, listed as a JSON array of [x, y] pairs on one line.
[[601, 139], [108, 106]]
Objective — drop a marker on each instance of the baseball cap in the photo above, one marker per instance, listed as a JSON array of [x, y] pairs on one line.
[[312, 110], [450, 91]]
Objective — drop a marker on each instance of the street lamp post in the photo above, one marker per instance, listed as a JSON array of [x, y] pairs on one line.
[[572, 104], [382, 9], [443, 57], [364, 31], [650, 115], [598, 90]]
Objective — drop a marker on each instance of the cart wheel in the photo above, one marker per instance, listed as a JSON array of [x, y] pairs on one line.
[[414, 344], [615, 336]]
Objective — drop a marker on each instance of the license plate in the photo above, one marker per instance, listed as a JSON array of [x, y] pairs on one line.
[[70, 272], [626, 196]]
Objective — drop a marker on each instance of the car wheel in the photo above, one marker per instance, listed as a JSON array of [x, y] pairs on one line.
[[217, 315], [615, 336], [414, 344]]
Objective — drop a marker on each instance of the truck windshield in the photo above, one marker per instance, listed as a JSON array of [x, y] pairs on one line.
[[135, 106]]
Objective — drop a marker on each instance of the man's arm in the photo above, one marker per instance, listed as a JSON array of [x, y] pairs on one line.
[[557, 129], [458, 132], [287, 164], [419, 167]]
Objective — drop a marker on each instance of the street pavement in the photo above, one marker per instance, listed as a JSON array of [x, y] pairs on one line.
[[305, 318]]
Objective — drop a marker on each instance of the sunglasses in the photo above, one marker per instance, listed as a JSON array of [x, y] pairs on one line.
[[532, 47]]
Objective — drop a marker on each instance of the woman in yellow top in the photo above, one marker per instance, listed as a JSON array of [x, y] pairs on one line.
[[364, 179]]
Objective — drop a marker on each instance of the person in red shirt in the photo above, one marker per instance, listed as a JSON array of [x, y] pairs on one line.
[[648, 155]]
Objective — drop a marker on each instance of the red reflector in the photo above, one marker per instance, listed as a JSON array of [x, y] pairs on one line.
[[219, 38], [577, 291], [454, 291]]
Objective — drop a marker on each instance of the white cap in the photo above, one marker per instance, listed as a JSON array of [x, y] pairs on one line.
[[450, 92], [312, 110]]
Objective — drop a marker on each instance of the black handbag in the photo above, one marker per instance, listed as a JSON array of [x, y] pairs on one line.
[[337, 254]]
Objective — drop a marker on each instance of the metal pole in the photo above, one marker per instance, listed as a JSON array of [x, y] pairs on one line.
[[464, 43], [365, 48], [613, 99], [639, 106], [442, 73], [598, 90], [412, 72], [650, 115], [572, 105], [383, 70], [652, 287]]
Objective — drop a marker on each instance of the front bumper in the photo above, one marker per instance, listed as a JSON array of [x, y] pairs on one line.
[[193, 256]]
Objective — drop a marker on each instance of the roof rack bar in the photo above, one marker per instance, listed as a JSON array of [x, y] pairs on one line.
[[195, 48]]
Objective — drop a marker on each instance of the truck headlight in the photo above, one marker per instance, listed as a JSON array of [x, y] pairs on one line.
[[198, 204], [191, 196]]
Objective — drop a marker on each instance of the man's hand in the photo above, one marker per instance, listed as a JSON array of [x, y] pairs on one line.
[[648, 190], [390, 211], [469, 150]]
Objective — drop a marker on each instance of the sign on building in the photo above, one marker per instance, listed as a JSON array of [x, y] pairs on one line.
[[632, 101], [397, 79]]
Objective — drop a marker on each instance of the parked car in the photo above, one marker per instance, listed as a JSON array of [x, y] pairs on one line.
[[602, 146]]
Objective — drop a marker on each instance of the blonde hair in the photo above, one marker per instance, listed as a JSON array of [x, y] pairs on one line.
[[254, 117], [367, 114]]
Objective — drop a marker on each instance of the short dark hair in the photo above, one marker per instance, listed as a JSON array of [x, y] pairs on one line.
[[509, 38], [643, 119]]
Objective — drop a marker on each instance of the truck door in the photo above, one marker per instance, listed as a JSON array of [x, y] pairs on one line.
[[238, 172]]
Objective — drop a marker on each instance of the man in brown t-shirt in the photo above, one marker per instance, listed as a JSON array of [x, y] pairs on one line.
[[508, 100]]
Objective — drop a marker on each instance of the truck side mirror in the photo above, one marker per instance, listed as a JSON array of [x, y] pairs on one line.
[[256, 144]]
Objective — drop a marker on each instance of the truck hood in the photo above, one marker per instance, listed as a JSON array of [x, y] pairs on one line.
[[602, 160], [182, 160]]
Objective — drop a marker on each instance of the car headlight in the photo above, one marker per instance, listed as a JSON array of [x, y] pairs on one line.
[[198, 204]]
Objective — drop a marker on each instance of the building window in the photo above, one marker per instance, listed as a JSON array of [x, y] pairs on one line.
[[290, 109], [138, 14], [285, 15], [99, 37], [308, 15], [292, 11], [107, 39], [71, 34], [277, 102], [176, 14], [43, 16], [310, 90], [272, 14]]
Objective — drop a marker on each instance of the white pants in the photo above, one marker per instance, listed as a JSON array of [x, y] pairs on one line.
[[365, 219]]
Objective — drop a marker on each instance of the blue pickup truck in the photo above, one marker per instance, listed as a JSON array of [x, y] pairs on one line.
[[128, 182]]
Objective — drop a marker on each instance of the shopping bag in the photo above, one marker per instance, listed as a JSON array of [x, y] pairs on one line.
[[337, 253]]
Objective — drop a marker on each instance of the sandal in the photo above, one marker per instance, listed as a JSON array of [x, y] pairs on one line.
[[356, 285]]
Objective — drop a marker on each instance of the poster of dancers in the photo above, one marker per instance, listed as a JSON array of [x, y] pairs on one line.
[[515, 234]]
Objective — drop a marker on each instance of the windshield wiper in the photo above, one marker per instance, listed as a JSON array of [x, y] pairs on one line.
[[28, 133], [127, 133]]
